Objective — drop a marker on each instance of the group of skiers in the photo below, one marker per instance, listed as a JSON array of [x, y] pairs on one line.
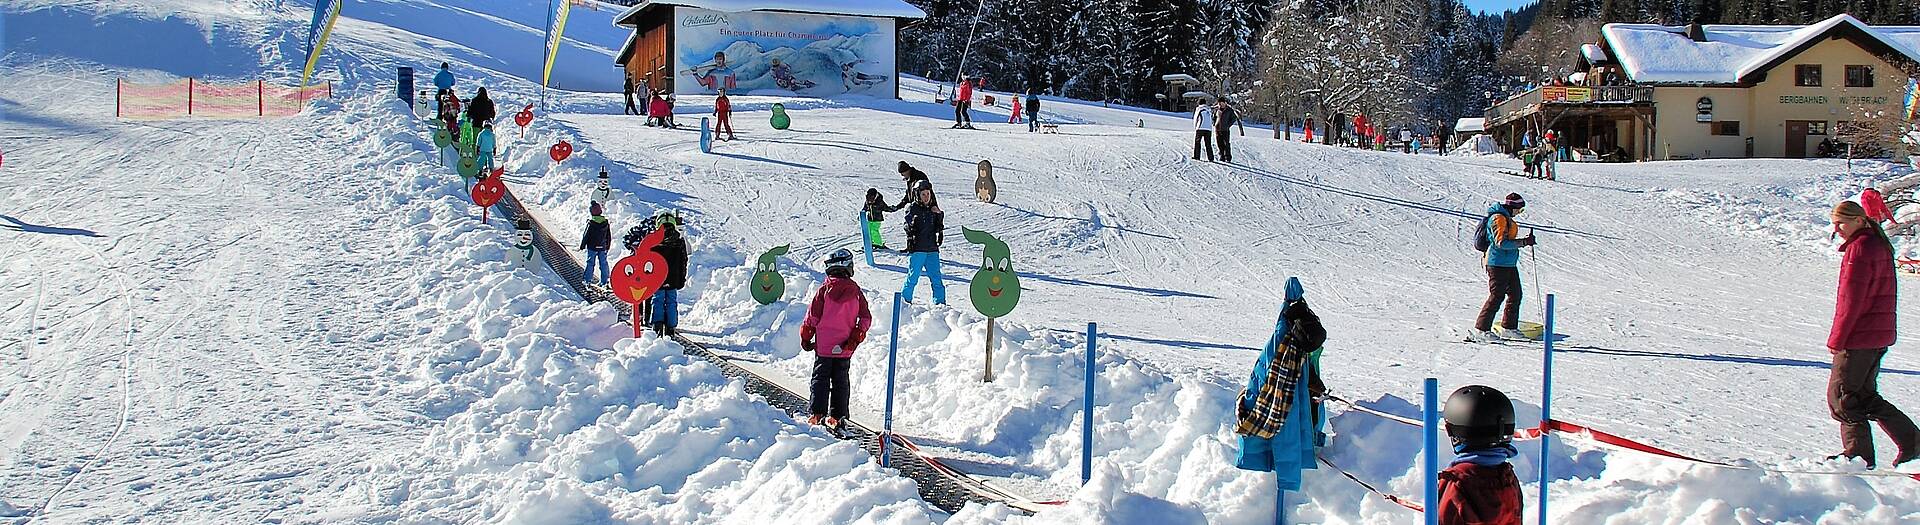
[[472, 129], [1540, 157], [1212, 124], [660, 104], [1027, 107]]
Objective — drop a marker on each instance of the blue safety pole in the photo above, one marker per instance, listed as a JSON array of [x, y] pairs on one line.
[[1546, 406], [1086, 418], [1430, 433], [893, 356]]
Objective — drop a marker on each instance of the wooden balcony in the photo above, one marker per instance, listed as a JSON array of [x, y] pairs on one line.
[[1568, 97]]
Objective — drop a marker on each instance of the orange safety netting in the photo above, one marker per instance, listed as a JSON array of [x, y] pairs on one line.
[[193, 98]]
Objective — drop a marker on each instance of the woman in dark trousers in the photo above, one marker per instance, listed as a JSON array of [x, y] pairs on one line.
[[1863, 328]]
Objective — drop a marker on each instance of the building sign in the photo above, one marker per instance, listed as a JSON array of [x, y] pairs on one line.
[[1579, 95], [1553, 93], [782, 53], [1803, 99], [1703, 110]]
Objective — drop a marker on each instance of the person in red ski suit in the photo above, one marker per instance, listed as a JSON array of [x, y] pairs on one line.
[[723, 111]]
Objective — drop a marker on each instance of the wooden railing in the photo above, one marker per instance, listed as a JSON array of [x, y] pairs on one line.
[[1569, 95]]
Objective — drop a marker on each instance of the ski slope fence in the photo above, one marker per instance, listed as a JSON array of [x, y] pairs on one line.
[[944, 487], [192, 97]]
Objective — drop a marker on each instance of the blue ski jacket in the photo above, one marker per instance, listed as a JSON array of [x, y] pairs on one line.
[[1503, 250]]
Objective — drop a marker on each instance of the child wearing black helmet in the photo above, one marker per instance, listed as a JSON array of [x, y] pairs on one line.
[[876, 210], [837, 322], [1479, 488]]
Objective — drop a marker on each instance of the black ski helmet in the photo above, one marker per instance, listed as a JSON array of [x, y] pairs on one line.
[[1479, 415]]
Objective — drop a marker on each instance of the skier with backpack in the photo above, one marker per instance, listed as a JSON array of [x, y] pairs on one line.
[[1479, 487], [666, 302], [837, 322], [1499, 237]]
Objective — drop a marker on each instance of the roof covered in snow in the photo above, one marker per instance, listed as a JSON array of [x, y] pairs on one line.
[[873, 8], [1737, 54], [1593, 53], [1470, 125]]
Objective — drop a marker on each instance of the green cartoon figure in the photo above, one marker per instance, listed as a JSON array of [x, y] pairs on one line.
[[995, 289], [767, 284]]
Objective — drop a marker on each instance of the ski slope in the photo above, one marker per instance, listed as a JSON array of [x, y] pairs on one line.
[[304, 320]]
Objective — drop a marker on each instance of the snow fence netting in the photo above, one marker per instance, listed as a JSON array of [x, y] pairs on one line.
[[196, 98]]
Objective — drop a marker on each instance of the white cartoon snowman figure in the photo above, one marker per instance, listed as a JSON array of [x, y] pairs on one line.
[[604, 192], [523, 254]]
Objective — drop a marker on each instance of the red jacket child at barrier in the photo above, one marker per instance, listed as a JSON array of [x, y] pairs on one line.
[[836, 323], [1479, 488]]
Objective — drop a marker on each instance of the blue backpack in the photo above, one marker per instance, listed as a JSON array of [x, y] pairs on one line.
[[1482, 237]]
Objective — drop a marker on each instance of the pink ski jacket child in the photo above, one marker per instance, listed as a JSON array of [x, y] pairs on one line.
[[838, 319]]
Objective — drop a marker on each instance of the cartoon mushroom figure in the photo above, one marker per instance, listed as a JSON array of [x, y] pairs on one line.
[[767, 284], [523, 253], [604, 192], [638, 275], [995, 289]]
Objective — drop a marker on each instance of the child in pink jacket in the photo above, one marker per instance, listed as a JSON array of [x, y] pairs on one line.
[[836, 323]]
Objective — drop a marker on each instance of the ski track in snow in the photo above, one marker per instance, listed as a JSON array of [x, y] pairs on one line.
[[316, 327]]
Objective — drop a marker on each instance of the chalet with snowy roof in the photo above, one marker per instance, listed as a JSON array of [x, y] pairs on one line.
[[1652, 92], [817, 48]]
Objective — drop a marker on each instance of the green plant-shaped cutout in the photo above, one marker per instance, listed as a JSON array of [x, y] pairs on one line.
[[780, 120], [995, 289], [767, 283]]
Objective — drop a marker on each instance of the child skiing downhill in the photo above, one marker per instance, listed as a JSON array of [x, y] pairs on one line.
[[1479, 487], [1502, 242], [876, 209], [837, 322]]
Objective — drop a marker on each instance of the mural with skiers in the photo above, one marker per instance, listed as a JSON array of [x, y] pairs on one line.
[[781, 53]]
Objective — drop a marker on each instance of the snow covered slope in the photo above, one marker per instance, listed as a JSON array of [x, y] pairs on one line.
[[302, 320]]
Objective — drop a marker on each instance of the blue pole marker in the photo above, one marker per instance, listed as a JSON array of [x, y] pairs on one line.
[[706, 137], [893, 355], [1430, 433], [866, 239], [1086, 418], [1546, 406]]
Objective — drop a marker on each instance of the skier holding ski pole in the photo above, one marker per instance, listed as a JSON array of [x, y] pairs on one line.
[[1499, 237]]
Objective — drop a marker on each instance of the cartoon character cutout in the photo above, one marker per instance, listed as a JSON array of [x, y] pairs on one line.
[[442, 138], [523, 253], [469, 167], [638, 275], [604, 192], [780, 120], [488, 192], [995, 288], [767, 283]]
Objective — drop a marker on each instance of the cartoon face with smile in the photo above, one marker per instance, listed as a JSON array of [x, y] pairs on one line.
[[767, 283], [638, 275], [523, 251], [995, 288]]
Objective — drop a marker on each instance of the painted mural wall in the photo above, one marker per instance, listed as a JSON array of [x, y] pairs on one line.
[[782, 53]]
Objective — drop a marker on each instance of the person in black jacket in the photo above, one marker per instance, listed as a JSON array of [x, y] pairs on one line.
[[598, 238], [666, 302], [924, 224], [480, 109], [876, 210], [626, 88], [913, 178]]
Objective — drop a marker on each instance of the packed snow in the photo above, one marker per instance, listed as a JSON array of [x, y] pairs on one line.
[[305, 320]]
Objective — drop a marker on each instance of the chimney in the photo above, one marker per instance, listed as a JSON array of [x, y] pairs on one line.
[[1696, 33]]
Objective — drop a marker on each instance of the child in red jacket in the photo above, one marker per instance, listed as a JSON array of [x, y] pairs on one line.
[[1479, 488], [836, 323]]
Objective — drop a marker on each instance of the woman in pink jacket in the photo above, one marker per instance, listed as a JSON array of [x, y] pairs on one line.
[[836, 323], [1863, 328]]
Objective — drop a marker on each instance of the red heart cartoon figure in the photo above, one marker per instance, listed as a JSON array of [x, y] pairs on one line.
[[489, 191], [499, 172], [560, 151], [524, 117], [637, 276]]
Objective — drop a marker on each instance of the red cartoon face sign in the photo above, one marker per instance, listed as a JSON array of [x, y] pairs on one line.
[[489, 191], [524, 117], [637, 276], [560, 151]]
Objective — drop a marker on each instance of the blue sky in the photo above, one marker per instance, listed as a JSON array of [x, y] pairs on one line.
[[1495, 5]]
